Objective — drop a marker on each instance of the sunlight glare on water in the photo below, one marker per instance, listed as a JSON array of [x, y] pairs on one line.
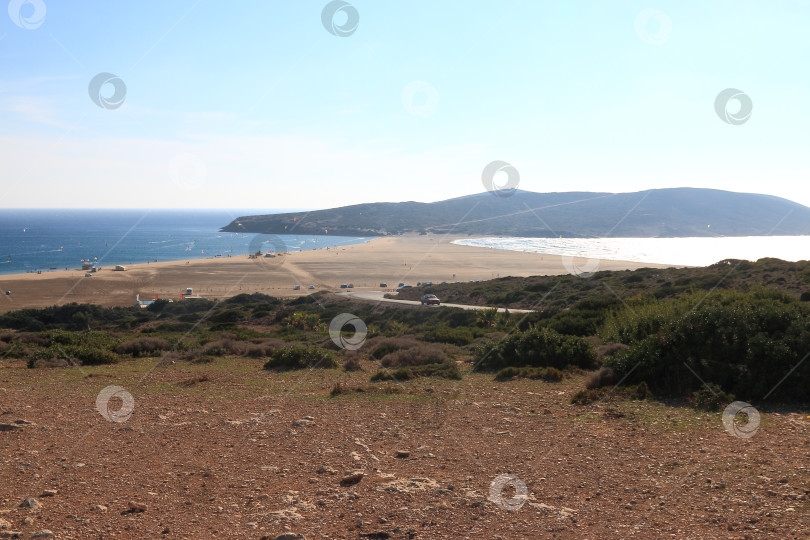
[[690, 251]]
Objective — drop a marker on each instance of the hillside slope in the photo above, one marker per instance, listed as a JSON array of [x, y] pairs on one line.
[[658, 212]]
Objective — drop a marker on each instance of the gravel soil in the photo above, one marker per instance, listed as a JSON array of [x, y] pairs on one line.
[[229, 450]]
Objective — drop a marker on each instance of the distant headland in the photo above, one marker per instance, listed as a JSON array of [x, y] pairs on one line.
[[675, 212]]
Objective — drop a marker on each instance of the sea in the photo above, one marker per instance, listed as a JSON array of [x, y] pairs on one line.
[[683, 251], [45, 240]]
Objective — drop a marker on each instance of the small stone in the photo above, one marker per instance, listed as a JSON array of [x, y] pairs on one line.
[[290, 536], [352, 478], [252, 525], [9, 427], [10, 534], [21, 422], [49, 493], [100, 508], [44, 533], [28, 520], [137, 506], [4, 524], [403, 454], [303, 422], [31, 503]]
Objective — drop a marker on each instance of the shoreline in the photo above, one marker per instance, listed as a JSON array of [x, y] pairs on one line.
[[390, 259]]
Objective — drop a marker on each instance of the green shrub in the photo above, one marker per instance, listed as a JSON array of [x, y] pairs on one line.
[[143, 346], [454, 336], [710, 397], [447, 371], [546, 374], [421, 354], [386, 346], [592, 395], [227, 316], [536, 348], [225, 347], [744, 342], [302, 357], [263, 349], [63, 355]]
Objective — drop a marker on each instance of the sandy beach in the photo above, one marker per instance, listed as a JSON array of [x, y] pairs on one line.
[[390, 260]]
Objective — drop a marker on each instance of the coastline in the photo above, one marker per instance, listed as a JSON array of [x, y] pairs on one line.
[[390, 259]]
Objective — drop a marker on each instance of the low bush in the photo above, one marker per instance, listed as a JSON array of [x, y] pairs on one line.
[[536, 348], [454, 336], [710, 397], [225, 347], [609, 349], [63, 355], [447, 371], [592, 395], [263, 349], [421, 354], [546, 374], [38, 363], [604, 377], [352, 363], [302, 357], [143, 346], [385, 346]]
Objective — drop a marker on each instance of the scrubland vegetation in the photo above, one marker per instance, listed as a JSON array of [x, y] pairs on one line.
[[664, 333]]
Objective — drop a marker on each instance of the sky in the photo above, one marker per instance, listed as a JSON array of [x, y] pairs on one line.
[[316, 104]]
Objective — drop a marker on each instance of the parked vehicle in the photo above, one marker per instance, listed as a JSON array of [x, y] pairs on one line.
[[351, 285], [383, 285], [401, 287], [311, 287], [343, 285], [430, 300], [297, 288]]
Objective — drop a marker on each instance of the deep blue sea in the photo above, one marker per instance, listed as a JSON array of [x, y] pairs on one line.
[[43, 240]]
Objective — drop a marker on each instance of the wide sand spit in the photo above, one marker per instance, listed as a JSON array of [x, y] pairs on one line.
[[391, 260]]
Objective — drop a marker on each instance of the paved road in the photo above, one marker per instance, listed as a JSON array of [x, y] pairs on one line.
[[377, 296]]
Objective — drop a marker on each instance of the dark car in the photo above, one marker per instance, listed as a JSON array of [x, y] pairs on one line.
[[343, 285], [403, 287], [383, 285], [430, 300]]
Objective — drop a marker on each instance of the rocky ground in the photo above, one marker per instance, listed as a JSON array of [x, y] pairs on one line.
[[228, 450]]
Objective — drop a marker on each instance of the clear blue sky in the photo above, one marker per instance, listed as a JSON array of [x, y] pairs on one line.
[[256, 104]]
